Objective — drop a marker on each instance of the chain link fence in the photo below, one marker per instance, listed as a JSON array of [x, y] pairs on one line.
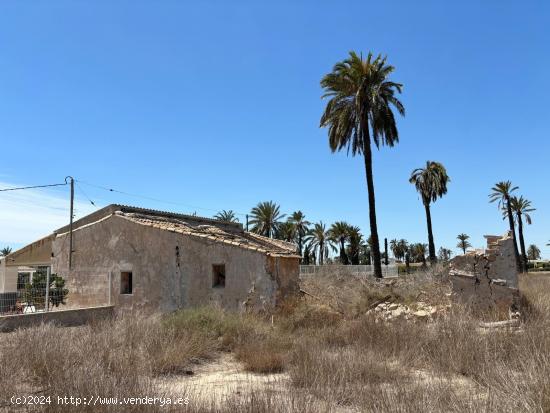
[[388, 271]]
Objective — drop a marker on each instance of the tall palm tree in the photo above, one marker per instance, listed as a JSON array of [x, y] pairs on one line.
[[533, 252], [265, 218], [301, 225], [502, 192], [463, 242], [521, 207], [319, 238], [5, 251], [431, 183], [339, 232], [361, 98], [227, 216], [355, 242]]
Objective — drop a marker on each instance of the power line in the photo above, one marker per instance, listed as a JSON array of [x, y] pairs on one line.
[[85, 195], [152, 199], [31, 187]]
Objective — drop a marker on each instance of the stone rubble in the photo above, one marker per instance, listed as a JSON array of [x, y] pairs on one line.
[[420, 311]]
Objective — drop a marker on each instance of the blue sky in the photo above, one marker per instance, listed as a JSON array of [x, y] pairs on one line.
[[216, 105]]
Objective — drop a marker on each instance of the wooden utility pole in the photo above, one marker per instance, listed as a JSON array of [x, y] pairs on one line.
[[71, 223]]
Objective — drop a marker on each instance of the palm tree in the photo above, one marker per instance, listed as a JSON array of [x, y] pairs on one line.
[[339, 232], [403, 248], [361, 98], [5, 251], [399, 248], [394, 247], [533, 252], [418, 252], [444, 254], [266, 217], [355, 242], [520, 207], [463, 242], [298, 219], [431, 183], [319, 238], [306, 260], [286, 231], [502, 192], [227, 216]]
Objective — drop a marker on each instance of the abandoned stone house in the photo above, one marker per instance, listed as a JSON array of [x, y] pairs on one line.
[[146, 260]]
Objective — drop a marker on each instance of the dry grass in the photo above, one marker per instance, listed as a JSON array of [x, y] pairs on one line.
[[335, 356]]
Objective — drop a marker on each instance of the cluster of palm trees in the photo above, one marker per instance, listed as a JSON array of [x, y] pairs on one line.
[[515, 209], [314, 241], [416, 252], [359, 113], [360, 108]]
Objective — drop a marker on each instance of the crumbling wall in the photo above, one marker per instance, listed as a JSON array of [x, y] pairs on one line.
[[487, 280]]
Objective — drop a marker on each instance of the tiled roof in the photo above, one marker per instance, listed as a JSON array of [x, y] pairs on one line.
[[216, 233]]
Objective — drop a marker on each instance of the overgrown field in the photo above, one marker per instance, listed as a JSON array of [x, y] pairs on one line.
[[333, 355]]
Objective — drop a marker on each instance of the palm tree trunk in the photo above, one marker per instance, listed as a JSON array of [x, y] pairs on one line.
[[522, 245], [367, 155], [463, 248], [321, 248], [513, 231], [343, 255], [300, 245], [431, 245]]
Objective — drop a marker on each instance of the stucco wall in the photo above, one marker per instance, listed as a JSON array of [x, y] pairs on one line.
[[169, 270], [2, 274]]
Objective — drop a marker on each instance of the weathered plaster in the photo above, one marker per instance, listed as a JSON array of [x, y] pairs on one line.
[[487, 280], [170, 270]]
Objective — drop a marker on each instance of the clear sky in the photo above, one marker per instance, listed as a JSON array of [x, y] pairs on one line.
[[215, 105]]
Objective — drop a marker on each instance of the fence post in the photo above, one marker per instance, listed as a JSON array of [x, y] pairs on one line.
[[47, 304], [110, 281]]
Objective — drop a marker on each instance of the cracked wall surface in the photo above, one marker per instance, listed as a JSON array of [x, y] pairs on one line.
[[487, 279], [170, 270]]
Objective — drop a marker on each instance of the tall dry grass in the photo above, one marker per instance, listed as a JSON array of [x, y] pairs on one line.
[[334, 356]]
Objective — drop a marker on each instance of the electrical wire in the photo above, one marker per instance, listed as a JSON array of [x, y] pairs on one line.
[[32, 187], [84, 193], [151, 198]]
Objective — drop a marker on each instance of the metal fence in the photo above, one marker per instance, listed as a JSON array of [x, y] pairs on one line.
[[388, 271], [37, 291]]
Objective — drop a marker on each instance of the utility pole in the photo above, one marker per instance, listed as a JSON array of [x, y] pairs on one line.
[[71, 223], [47, 304], [386, 251]]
